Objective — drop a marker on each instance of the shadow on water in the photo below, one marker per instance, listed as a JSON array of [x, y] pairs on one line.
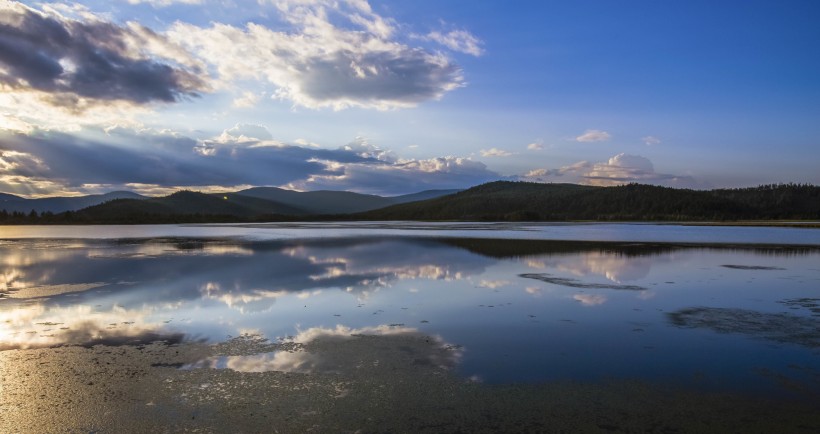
[[506, 248], [779, 327]]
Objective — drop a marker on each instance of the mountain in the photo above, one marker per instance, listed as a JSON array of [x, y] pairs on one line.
[[495, 201], [253, 201], [12, 203], [4, 197], [503, 200], [229, 206], [422, 195], [320, 202]]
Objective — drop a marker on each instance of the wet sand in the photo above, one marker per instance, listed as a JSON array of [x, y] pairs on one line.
[[363, 383]]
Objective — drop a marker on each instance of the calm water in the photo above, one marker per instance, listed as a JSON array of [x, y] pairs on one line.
[[508, 311]]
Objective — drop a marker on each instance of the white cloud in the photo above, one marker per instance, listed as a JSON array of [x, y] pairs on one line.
[[618, 170], [535, 146], [494, 152], [401, 176], [337, 54], [246, 100], [164, 3], [651, 140], [461, 41], [593, 136]]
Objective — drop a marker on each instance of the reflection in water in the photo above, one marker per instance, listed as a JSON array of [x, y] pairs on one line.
[[340, 350], [780, 327], [751, 267], [574, 283], [541, 324], [589, 299], [523, 311]]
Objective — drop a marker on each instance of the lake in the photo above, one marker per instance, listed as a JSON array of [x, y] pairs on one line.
[[409, 327]]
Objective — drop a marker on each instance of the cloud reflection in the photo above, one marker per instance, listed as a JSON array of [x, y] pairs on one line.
[[343, 349]]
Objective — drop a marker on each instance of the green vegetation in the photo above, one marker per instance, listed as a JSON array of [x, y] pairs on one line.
[[495, 201], [520, 201]]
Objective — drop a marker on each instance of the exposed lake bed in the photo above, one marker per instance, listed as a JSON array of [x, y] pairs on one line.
[[396, 332]]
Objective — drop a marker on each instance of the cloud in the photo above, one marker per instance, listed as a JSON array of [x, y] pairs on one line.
[[535, 146], [494, 152], [618, 170], [624, 168], [246, 100], [336, 54], [155, 161], [401, 176], [589, 299], [543, 175], [651, 140], [593, 136], [164, 3], [74, 64], [457, 40]]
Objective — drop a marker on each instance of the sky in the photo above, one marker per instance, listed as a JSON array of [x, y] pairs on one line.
[[393, 97]]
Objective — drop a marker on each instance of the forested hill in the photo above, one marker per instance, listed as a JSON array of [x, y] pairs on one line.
[[505, 200], [495, 201]]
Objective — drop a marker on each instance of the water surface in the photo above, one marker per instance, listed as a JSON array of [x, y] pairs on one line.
[[542, 321]]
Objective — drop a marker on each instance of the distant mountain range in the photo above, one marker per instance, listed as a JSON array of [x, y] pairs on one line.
[[495, 201], [12, 203], [258, 201]]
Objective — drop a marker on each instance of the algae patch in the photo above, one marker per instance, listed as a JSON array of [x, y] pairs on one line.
[[575, 283]]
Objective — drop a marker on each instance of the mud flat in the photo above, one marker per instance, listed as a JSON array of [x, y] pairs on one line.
[[398, 382]]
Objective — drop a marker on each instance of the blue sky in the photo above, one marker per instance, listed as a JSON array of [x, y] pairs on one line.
[[392, 97]]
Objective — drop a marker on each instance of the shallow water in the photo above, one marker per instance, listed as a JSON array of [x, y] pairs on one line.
[[197, 323]]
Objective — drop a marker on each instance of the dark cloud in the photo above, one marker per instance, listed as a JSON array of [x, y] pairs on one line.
[[160, 159], [94, 60], [406, 76], [123, 156]]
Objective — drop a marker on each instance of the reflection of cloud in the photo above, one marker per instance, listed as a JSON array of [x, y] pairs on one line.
[[244, 300], [326, 350], [493, 284], [35, 326], [534, 291], [615, 266], [590, 299]]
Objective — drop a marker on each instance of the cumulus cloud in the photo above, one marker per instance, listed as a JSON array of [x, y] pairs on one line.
[[73, 63], [624, 168], [461, 41], [593, 136], [337, 54], [494, 152], [618, 170]]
